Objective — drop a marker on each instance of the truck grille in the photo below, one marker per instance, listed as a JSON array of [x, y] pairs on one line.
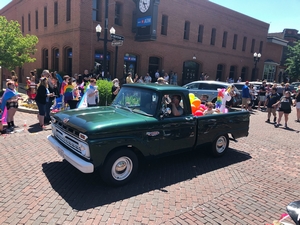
[[70, 141]]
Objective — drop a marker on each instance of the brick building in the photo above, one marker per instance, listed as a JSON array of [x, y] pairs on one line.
[[290, 36], [190, 37]]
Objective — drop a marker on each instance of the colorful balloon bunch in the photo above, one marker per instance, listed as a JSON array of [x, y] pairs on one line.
[[196, 106]]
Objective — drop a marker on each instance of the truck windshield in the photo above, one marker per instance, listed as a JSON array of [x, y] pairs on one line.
[[137, 100]]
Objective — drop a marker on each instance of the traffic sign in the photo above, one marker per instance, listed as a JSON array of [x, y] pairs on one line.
[[117, 43], [117, 37]]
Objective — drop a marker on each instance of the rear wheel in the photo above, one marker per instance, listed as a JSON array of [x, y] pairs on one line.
[[120, 167], [220, 145]]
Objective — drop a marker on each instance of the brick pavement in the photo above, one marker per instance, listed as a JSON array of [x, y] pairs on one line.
[[251, 184]]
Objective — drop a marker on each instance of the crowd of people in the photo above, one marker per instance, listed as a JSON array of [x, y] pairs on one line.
[[276, 103], [51, 91], [158, 78]]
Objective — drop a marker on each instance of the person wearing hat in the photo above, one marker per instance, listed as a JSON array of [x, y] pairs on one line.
[[245, 96], [129, 78]]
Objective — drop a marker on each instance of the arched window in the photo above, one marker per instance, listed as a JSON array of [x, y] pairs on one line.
[[68, 60], [55, 59], [220, 70], [45, 59]]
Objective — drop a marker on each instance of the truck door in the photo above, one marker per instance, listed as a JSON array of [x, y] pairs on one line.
[[177, 132]]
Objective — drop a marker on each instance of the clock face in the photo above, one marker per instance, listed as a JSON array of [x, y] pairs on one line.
[[144, 5]]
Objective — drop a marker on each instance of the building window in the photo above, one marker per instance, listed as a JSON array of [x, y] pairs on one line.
[[96, 10], [55, 13], [235, 37], [269, 72], [45, 16], [55, 59], [29, 21], [68, 60], [68, 13], [200, 33], [213, 36], [219, 74], [244, 73], [244, 44], [232, 72], [186, 30], [164, 25], [22, 24], [224, 39], [261, 46], [252, 45], [118, 14], [45, 59], [36, 19]]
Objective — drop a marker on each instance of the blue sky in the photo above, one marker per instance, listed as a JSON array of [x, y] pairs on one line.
[[279, 14]]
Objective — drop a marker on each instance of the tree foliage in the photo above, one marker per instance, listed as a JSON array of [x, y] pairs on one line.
[[15, 49], [293, 60]]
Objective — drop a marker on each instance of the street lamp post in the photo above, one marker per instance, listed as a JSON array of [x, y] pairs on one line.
[[256, 58], [106, 40]]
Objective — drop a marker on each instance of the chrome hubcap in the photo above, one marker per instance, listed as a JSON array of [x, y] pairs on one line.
[[122, 168], [221, 144]]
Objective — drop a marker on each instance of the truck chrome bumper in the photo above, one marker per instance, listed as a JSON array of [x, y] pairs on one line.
[[76, 161]]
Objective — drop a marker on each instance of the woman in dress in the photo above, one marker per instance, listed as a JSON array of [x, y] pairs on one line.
[[285, 109], [42, 97]]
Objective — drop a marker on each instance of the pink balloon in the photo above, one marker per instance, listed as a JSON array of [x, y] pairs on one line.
[[198, 113]]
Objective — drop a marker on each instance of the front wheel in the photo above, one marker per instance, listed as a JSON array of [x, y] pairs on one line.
[[220, 145], [120, 167]]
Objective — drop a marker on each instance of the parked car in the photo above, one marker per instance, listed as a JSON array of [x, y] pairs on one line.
[[139, 125], [210, 88], [295, 85]]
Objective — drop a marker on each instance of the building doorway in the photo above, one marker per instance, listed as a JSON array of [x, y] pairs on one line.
[[190, 72], [154, 63], [130, 62], [98, 65]]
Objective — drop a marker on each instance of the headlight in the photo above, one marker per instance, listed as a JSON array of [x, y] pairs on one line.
[[84, 150], [53, 120]]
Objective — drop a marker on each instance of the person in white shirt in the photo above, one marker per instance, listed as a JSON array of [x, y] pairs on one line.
[[157, 75], [147, 78], [92, 94], [166, 78]]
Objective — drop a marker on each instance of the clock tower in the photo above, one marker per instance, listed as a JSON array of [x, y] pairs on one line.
[[146, 19]]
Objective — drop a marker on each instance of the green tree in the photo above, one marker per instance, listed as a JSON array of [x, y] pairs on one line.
[[293, 60], [15, 49]]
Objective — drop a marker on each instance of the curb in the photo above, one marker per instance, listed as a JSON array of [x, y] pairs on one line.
[[26, 110]]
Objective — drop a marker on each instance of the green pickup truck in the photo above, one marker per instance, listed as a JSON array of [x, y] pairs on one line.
[[139, 125]]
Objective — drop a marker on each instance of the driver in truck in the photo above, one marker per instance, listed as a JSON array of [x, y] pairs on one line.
[[177, 110]]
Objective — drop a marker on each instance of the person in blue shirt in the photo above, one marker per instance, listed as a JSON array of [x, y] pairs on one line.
[[245, 96]]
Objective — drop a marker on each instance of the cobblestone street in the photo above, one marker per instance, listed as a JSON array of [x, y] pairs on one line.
[[251, 184]]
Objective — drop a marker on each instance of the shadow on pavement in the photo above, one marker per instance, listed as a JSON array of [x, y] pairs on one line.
[[35, 128], [84, 191]]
